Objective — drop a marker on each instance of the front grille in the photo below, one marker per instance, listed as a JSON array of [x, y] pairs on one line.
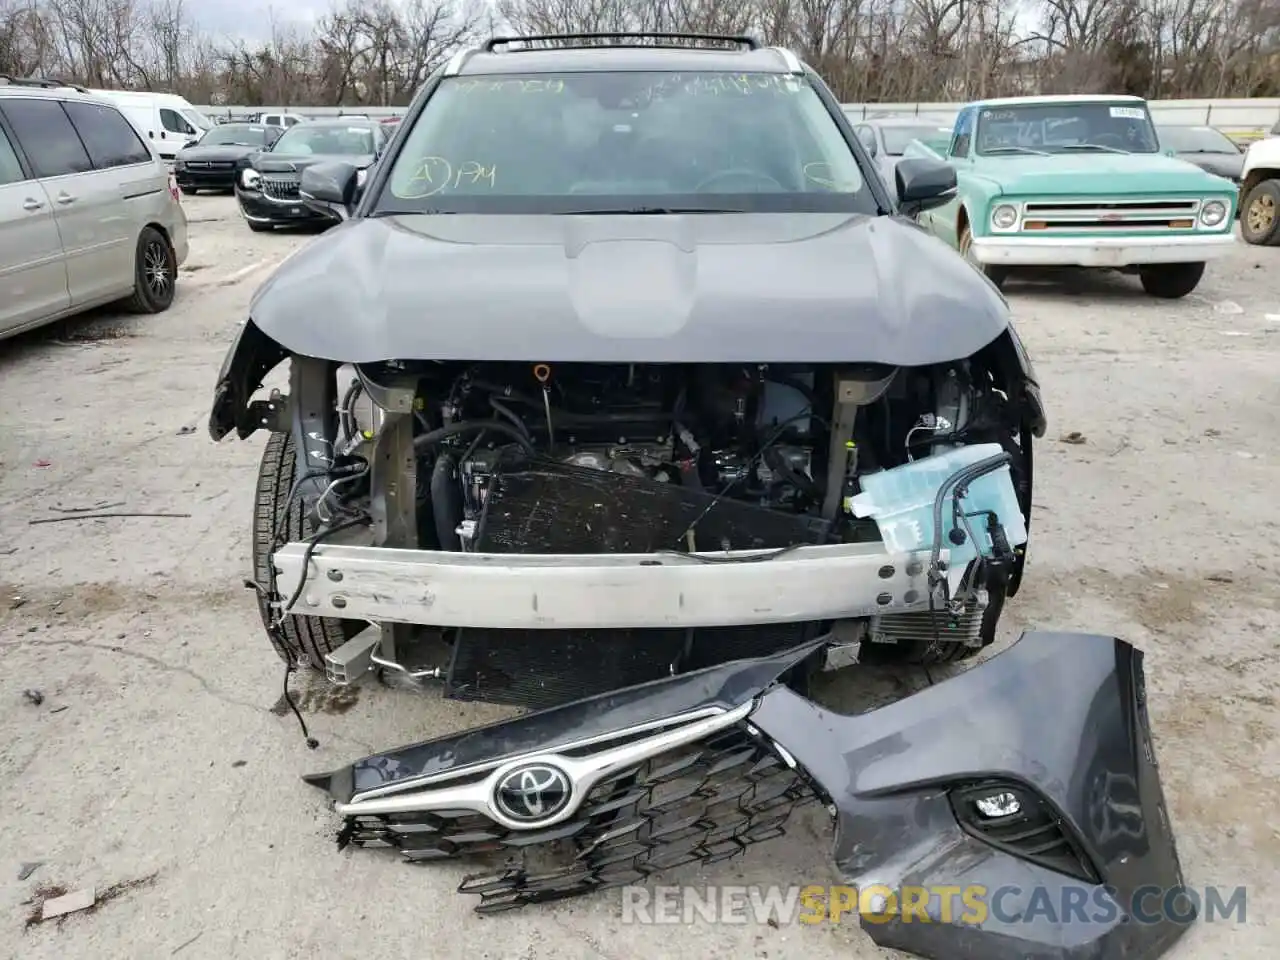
[[210, 165], [280, 188], [1106, 213], [697, 804]]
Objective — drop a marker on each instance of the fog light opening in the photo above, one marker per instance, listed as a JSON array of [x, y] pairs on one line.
[[996, 805]]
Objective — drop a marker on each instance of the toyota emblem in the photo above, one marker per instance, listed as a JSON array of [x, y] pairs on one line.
[[532, 793]]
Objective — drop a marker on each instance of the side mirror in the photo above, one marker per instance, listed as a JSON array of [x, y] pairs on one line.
[[923, 184], [190, 143], [1170, 152], [330, 188]]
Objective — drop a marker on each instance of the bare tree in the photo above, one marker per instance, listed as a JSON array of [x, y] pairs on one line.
[[380, 52]]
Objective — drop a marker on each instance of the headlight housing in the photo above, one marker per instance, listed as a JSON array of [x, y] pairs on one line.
[[1004, 217], [1213, 213], [250, 179]]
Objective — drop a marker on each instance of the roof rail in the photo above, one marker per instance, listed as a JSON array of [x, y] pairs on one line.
[[42, 82], [624, 38]]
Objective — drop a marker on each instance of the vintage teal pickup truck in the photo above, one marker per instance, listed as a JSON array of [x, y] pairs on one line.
[[1079, 181]]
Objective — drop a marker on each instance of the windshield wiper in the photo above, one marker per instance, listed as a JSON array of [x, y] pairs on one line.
[[1092, 146], [991, 151]]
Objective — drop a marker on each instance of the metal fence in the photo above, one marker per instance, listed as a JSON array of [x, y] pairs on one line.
[[1242, 119]]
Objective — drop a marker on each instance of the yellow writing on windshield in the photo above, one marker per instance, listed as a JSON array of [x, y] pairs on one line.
[[819, 172], [435, 175], [511, 85]]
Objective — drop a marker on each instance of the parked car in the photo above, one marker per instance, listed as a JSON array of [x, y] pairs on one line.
[[1260, 193], [285, 120], [89, 213], [267, 185], [659, 397], [214, 161], [1207, 147], [1080, 181], [887, 139], [167, 120]]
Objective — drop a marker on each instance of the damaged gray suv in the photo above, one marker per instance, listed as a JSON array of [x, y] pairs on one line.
[[629, 393]]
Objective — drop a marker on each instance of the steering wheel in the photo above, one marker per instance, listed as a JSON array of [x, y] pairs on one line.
[[741, 174], [1117, 141]]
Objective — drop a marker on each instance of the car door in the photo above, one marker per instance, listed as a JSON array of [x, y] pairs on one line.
[[134, 186], [91, 215], [33, 274]]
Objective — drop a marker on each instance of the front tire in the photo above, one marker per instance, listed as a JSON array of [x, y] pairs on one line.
[[996, 274], [1260, 215], [300, 640], [1170, 281], [155, 273]]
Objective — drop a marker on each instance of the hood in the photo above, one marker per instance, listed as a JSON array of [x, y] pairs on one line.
[[615, 289], [1072, 174], [220, 151], [285, 162], [1229, 165]]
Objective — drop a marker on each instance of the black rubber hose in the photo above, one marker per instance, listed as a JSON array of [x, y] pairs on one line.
[[431, 438], [446, 502]]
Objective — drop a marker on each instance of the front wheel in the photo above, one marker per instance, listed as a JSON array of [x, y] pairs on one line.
[[996, 274], [1260, 215], [276, 520], [1170, 281]]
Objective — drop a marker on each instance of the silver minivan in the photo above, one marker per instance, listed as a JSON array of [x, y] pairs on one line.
[[89, 213]]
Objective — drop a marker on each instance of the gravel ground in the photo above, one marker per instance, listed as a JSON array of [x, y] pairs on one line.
[[157, 770]]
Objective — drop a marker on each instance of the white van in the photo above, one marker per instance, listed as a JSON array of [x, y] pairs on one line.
[[166, 120]]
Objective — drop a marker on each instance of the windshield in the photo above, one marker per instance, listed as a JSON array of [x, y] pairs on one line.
[[234, 133], [1066, 128], [196, 118], [897, 138], [326, 138], [1197, 140], [625, 142]]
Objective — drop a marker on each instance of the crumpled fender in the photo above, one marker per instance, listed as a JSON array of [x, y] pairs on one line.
[[1057, 720], [251, 357]]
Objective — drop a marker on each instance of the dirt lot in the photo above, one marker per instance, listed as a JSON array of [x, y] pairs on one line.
[[155, 761]]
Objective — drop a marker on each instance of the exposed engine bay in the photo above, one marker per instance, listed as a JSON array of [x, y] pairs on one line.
[[712, 457]]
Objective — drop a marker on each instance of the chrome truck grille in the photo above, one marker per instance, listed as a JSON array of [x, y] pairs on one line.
[[280, 188], [699, 803], [1104, 213]]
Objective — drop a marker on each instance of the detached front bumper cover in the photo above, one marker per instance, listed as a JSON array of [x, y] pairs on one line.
[[1031, 776]]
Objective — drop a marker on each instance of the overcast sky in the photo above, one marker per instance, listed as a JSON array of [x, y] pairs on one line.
[[251, 19]]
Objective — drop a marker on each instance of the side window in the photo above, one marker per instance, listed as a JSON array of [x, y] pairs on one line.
[[47, 137], [962, 134], [172, 121], [290, 121], [10, 168], [271, 120], [109, 137], [868, 138]]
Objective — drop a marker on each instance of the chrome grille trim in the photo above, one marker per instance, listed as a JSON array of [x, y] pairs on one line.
[[1102, 213], [280, 188]]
